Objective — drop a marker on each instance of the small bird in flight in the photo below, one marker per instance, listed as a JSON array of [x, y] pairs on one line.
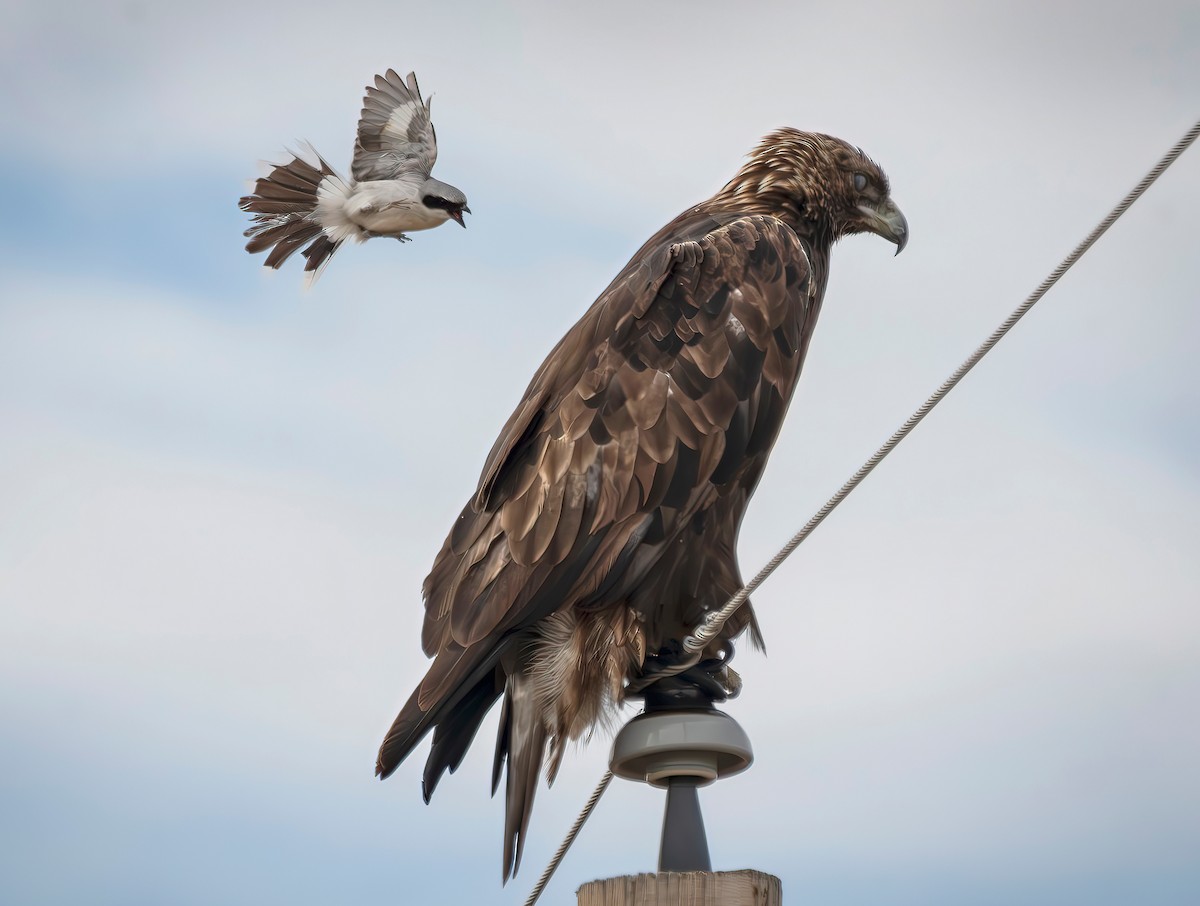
[[390, 192]]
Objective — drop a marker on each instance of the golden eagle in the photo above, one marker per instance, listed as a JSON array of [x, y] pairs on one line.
[[605, 523]]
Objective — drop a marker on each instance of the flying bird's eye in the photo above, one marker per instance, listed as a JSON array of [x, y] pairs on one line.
[[860, 182]]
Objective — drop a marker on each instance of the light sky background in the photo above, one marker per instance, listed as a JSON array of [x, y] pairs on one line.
[[219, 492]]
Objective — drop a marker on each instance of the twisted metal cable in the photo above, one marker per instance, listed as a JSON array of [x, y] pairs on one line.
[[707, 631], [569, 838]]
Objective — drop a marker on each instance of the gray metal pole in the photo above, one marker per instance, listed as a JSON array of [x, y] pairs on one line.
[[684, 843]]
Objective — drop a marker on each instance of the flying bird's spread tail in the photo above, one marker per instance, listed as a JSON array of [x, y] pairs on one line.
[[298, 203], [604, 526], [390, 192]]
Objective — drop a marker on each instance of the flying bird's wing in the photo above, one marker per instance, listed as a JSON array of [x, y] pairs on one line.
[[659, 405], [395, 133]]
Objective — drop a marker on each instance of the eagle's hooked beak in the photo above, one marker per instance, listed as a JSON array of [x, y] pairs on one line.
[[887, 221], [458, 215]]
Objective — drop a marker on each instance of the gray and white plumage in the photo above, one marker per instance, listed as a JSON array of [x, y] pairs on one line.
[[390, 192]]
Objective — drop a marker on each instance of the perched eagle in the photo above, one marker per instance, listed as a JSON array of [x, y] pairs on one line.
[[605, 523], [390, 192]]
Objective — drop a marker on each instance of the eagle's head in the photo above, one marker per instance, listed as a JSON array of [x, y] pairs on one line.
[[823, 187]]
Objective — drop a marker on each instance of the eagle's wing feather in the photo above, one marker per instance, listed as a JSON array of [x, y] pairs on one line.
[[395, 131], [635, 424]]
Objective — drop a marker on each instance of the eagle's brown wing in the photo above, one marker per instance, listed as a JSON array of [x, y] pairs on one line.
[[652, 406]]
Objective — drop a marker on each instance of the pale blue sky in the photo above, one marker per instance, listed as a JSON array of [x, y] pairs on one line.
[[219, 493]]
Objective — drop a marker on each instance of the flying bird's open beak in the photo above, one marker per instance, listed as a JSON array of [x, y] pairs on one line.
[[887, 221], [458, 216]]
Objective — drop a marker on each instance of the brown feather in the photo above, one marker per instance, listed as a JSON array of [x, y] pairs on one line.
[[532, 547], [604, 523], [522, 741], [283, 204]]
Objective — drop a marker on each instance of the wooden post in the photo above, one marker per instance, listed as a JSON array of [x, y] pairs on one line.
[[685, 888]]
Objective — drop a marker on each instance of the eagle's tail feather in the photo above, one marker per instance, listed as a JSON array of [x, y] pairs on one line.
[[408, 729], [296, 204], [454, 719], [521, 740], [453, 734]]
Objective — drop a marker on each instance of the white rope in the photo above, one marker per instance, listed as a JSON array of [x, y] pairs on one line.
[[714, 621]]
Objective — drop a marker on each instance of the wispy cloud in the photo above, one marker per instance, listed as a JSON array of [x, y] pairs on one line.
[[220, 492]]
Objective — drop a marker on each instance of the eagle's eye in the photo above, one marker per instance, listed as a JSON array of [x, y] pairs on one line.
[[860, 182]]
